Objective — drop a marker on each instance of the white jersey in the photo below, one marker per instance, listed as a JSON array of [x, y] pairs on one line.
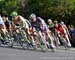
[[1, 21], [64, 28], [44, 24], [24, 20]]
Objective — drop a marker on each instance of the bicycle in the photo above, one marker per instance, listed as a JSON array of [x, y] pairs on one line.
[[63, 40], [49, 41], [8, 40], [21, 37], [42, 41]]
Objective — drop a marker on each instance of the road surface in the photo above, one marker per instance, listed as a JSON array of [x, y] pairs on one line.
[[17, 53]]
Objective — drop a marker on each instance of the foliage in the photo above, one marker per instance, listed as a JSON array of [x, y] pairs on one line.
[[55, 9]]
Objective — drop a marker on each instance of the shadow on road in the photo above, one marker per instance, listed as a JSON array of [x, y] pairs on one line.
[[20, 48]]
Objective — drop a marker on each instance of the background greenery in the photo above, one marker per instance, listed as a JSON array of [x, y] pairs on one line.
[[54, 9]]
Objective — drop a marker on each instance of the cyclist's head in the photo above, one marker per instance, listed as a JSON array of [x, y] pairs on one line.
[[71, 26], [62, 22], [32, 17], [49, 21], [14, 14], [4, 18], [55, 22]]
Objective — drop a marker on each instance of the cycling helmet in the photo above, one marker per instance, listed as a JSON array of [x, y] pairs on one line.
[[49, 20], [62, 23], [32, 16], [13, 14], [55, 22]]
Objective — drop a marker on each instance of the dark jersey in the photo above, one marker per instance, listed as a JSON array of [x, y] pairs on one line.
[[7, 23], [37, 24]]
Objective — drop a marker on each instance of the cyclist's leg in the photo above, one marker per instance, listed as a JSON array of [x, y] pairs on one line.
[[35, 35], [3, 31], [43, 37], [31, 35], [67, 39], [50, 38]]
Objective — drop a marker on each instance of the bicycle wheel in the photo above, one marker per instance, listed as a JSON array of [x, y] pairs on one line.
[[63, 40], [53, 41], [22, 38], [9, 40], [42, 44]]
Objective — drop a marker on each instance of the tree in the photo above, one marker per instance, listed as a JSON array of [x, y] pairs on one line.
[[7, 6], [55, 9]]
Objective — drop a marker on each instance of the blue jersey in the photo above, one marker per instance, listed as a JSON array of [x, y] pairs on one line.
[[37, 24], [72, 32]]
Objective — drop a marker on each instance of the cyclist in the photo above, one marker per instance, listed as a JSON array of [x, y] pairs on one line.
[[2, 27], [51, 27], [40, 25], [62, 29], [66, 33], [7, 23], [50, 24], [18, 20]]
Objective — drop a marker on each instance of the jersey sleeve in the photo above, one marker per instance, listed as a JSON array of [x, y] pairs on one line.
[[21, 18]]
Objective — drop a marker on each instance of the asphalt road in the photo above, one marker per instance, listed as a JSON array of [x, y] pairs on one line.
[[18, 53]]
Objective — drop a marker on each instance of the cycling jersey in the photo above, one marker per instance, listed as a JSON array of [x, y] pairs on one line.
[[44, 25], [59, 28], [2, 25], [29, 24], [72, 32], [37, 24], [64, 28], [50, 26], [1, 21], [18, 21], [26, 25], [7, 24]]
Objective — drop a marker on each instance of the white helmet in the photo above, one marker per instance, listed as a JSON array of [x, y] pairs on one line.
[[62, 23], [49, 20], [32, 16]]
